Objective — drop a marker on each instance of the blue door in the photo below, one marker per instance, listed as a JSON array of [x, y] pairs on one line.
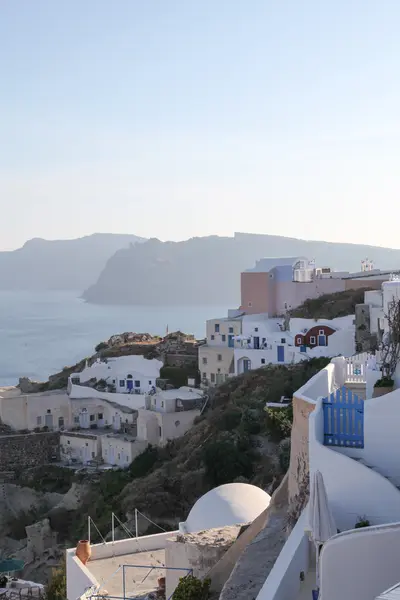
[[246, 365], [230, 341], [281, 353], [129, 384], [321, 340]]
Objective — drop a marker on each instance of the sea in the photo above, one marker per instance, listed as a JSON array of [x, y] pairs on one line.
[[42, 332]]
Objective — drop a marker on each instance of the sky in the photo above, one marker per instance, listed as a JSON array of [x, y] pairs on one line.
[[182, 118]]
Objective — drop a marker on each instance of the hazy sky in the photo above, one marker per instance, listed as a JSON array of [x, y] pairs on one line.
[[175, 118]]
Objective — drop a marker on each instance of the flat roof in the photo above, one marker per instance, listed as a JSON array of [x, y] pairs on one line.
[[141, 577]]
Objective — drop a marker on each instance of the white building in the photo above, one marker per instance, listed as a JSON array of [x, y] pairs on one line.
[[357, 455], [119, 449], [80, 447], [168, 414], [266, 341], [124, 374], [50, 410]]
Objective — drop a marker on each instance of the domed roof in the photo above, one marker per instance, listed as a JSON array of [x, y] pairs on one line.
[[229, 504]]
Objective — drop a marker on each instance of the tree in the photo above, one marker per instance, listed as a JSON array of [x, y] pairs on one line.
[[390, 344], [57, 586]]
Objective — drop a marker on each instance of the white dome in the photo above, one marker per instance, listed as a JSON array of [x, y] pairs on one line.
[[229, 504]]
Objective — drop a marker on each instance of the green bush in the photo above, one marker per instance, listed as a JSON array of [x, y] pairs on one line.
[[226, 460], [192, 588], [279, 422], [101, 346], [384, 382], [57, 587]]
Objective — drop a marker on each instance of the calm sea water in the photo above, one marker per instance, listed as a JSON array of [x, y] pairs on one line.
[[41, 332]]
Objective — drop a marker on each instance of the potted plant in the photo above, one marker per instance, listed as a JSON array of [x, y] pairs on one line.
[[362, 522], [383, 386]]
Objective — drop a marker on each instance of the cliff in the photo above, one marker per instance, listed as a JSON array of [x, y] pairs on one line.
[[207, 270], [59, 264]]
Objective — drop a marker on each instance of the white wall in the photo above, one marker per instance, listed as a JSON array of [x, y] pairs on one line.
[[283, 582], [133, 401], [353, 489], [381, 436], [79, 577], [120, 452], [22, 411], [269, 356], [80, 447], [157, 428], [360, 564]]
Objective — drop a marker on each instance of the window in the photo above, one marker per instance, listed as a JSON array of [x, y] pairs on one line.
[[219, 357], [92, 417], [312, 339], [223, 337], [48, 411], [255, 328], [122, 383], [212, 337], [299, 340], [283, 340], [303, 349], [250, 304], [230, 329], [321, 332], [86, 444], [76, 419], [127, 459], [204, 360], [216, 327], [129, 377], [137, 383], [61, 421], [162, 403], [150, 382], [114, 381], [100, 416], [212, 377], [119, 456], [38, 420], [93, 455], [204, 375], [263, 361], [160, 431], [68, 442], [219, 370], [177, 423]]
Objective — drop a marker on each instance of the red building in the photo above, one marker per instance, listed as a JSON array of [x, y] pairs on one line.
[[316, 336]]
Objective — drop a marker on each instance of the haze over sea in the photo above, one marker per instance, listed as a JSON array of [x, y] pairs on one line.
[[41, 332]]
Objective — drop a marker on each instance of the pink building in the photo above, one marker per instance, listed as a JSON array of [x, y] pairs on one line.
[[276, 285]]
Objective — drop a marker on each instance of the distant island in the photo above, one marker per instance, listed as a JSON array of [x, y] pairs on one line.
[[116, 269]]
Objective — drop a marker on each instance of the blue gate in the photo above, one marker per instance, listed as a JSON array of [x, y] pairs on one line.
[[343, 419]]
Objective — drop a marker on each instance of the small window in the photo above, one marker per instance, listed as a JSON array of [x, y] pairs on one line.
[[255, 328], [204, 360], [230, 329], [61, 421], [223, 337], [68, 442], [263, 361], [129, 376], [312, 339], [213, 337], [119, 456], [122, 383], [177, 423], [100, 416], [127, 459], [38, 420], [299, 340], [283, 340], [250, 304], [216, 327], [137, 383], [162, 403], [321, 332], [219, 357], [204, 375], [150, 382], [86, 444], [93, 455], [76, 419], [92, 417], [303, 349], [212, 377], [48, 411], [114, 381], [160, 431], [219, 370]]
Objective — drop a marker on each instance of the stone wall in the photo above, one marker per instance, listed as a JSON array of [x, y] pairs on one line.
[[365, 340], [21, 451]]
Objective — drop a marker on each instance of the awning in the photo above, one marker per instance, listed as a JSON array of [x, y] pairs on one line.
[[10, 565]]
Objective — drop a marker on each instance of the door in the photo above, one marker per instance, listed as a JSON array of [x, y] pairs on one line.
[[129, 384], [84, 420], [48, 421], [256, 341], [230, 341], [281, 353], [322, 340], [111, 455], [246, 365]]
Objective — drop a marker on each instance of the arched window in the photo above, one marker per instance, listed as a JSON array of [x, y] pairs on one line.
[[129, 377]]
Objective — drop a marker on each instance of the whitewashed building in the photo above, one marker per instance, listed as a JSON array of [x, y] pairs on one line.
[[168, 414], [120, 450]]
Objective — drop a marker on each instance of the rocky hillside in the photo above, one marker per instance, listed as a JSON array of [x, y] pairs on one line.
[[330, 306], [236, 439], [207, 270]]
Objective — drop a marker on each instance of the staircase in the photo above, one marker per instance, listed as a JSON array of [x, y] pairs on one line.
[[395, 483]]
